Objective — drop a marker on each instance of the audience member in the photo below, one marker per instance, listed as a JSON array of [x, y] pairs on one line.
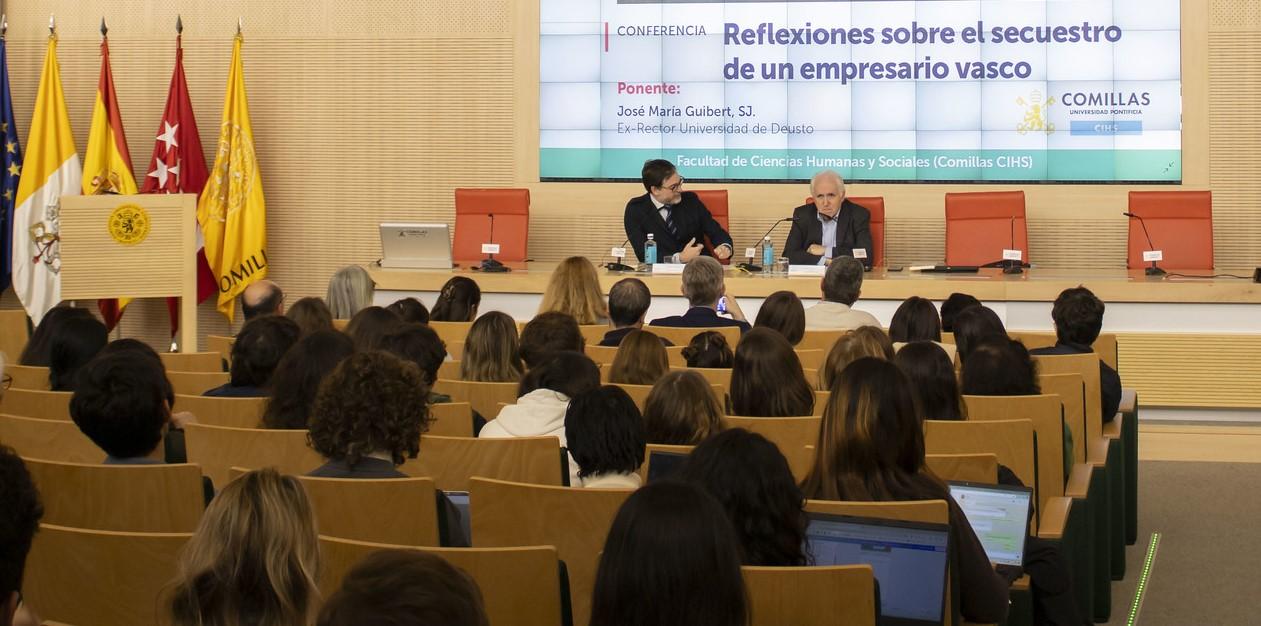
[[311, 315], [629, 300], [253, 559], [350, 290], [671, 557], [952, 306], [257, 350], [420, 345], [681, 410], [78, 340], [871, 448], [262, 297], [915, 320], [710, 350], [547, 333], [298, 376], [370, 325], [38, 350], [410, 310], [491, 350], [574, 289], [975, 325], [605, 436], [841, 285], [767, 380], [22, 511], [932, 377], [750, 478], [703, 287], [782, 311], [457, 302], [123, 405], [405, 588], [856, 344], [640, 360], [1078, 317]]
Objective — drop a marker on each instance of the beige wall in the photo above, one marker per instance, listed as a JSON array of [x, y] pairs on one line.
[[367, 111]]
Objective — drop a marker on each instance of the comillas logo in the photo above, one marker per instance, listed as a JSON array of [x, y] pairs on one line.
[[1105, 98]]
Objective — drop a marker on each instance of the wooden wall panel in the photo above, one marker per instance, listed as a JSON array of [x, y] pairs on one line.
[[1191, 370]]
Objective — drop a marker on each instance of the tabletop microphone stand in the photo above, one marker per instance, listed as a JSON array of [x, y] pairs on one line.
[[1013, 266], [489, 264], [1152, 270]]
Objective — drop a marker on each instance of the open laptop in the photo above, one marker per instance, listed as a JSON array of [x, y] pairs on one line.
[[460, 500], [999, 515], [663, 465], [909, 560], [415, 246]]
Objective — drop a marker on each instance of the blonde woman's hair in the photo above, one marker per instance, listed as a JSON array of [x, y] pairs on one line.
[[640, 360], [491, 350], [253, 559], [349, 291], [856, 344], [681, 410], [574, 289]]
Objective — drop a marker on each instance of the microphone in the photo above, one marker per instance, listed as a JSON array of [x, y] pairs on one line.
[[750, 267], [1153, 270], [489, 264], [1013, 266], [617, 265]]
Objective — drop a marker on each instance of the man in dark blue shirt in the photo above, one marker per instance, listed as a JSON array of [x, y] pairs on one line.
[[1078, 317], [703, 287]]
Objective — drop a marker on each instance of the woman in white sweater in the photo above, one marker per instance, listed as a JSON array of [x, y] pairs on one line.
[[606, 439]]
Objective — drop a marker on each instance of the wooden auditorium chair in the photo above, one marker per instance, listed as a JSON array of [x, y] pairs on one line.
[[133, 498], [473, 225], [639, 393], [811, 359], [196, 383], [451, 419], [14, 332], [223, 345], [192, 361], [835, 595], [484, 397], [979, 226], [974, 468], [451, 331], [48, 405], [217, 449], [401, 511], [51, 440], [792, 435], [217, 411], [453, 461], [683, 336], [27, 377], [820, 340]]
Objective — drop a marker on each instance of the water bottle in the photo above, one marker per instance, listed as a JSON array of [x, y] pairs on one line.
[[650, 250], [768, 254]]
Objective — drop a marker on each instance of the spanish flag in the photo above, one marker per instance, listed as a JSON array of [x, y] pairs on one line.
[[107, 163], [231, 210], [51, 171]]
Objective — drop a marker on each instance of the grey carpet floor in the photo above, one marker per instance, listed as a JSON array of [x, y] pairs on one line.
[[1205, 572]]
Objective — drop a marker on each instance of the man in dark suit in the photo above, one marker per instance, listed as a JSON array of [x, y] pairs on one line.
[[703, 286], [831, 227], [677, 220], [1078, 317], [629, 300]]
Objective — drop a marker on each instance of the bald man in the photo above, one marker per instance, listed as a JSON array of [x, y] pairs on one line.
[[830, 227], [262, 298]]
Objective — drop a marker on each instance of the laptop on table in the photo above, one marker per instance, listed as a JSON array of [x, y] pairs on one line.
[[415, 246], [999, 515]]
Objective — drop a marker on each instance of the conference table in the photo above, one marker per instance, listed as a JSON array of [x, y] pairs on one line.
[[1189, 344]]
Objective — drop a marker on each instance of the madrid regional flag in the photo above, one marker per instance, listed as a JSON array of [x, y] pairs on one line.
[[51, 171], [107, 163], [231, 210]]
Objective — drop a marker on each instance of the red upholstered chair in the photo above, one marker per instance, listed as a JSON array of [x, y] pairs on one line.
[[875, 206], [1180, 224], [979, 226], [473, 207], [716, 201]]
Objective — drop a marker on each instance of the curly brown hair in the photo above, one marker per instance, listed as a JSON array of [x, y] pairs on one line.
[[372, 402]]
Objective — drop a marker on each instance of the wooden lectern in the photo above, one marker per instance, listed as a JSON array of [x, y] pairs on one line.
[[141, 246]]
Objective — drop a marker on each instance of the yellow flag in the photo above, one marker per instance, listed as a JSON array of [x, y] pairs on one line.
[[231, 210]]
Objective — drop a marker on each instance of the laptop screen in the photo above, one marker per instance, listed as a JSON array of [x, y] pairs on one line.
[[999, 516], [460, 500], [909, 560], [662, 465]]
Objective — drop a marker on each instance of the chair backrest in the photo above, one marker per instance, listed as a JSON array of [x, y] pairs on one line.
[[221, 344], [683, 336], [28, 376], [790, 434], [519, 585], [976, 468], [639, 393], [452, 461], [455, 349], [925, 511], [674, 354], [1011, 441], [1087, 366], [47, 405], [54, 440], [449, 370], [192, 361], [602, 355], [1180, 224], [661, 447], [401, 511], [720, 376], [1105, 345], [573, 519], [593, 333], [217, 411], [1072, 393], [875, 206], [340, 324], [484, 397], [103, 578], [14, 332], [834, 595], [473, 208], [716, 201], [979, 226], [451, 331], [811, 359], [217, 449], [820, 340], [196, 383], [451, 419], [821, 400], [133, 498], [1046, 411]]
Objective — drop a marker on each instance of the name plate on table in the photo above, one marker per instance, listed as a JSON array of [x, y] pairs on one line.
[[618, 253], [667, 268], [807, 270], [1013, 255], [1150, 256], [859, 253], [750, 253], [490, 248]]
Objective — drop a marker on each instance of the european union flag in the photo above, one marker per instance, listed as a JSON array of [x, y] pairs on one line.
[[12, 170]]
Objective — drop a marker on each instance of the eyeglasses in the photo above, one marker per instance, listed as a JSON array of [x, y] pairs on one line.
[[676, 186]]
